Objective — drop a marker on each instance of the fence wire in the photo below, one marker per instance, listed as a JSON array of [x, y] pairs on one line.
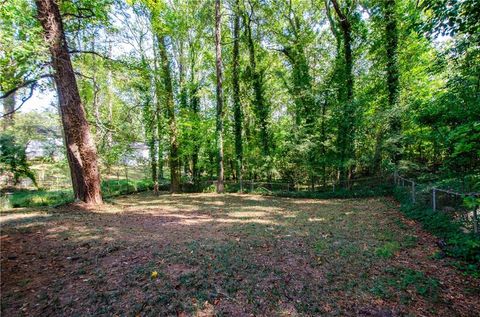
[[442, 200]]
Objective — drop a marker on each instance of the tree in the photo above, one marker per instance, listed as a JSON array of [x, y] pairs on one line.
[[391, 43], [237, 107], [346, 128], [260, 107], [170, 106], [8, 111], [81, 151], [219, 117]]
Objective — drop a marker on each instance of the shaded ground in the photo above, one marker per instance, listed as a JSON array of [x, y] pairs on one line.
[[231, 255]]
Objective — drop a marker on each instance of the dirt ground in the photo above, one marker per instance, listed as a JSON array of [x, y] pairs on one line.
[[227, 255]]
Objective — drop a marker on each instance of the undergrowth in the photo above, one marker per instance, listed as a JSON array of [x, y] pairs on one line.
[[42, 197], [458, 244]]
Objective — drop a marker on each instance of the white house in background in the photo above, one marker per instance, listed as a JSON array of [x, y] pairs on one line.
[[50, 148], [138, 154], [54, 148]]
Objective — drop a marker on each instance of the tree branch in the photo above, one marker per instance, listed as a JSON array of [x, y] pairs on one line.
[[24, 99], [25, 84]]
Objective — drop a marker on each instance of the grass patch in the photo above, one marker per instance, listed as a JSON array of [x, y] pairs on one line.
[[39, 198], [388, 250], [402, 282]]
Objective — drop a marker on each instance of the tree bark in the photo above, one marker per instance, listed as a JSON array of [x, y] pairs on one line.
[[219, 69], [391, 41], [237, 107], [260, 107], [169, 103], [8, 110], [195, 107], [346, 129], [81, 151]]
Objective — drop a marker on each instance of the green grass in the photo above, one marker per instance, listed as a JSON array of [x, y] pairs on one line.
[[388, 249], [39, 198], [403, 282]]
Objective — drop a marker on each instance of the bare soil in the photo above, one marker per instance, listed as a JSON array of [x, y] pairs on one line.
[[227, 255]]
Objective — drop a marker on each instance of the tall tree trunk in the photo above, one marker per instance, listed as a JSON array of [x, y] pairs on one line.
[[8, 110], [219, 68], [237, 107], [346, 128], [260, 107], [391, 40], [195, 107], [151, 134], [81, 151], [169, 103]]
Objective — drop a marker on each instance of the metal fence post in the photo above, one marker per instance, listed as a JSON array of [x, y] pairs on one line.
[[413, 192], [475, 220], [434, 200]]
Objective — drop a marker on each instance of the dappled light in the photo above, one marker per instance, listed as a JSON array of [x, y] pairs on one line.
[[215, 249]]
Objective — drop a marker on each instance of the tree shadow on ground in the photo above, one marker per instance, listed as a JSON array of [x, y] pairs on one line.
[[224, 254]]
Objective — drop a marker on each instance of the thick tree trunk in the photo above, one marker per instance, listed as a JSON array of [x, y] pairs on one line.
[[8, 110], [237, 107], [219, 68], [169, 102], [81, 152]]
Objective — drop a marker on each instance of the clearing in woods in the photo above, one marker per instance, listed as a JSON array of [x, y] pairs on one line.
[[234, 255]]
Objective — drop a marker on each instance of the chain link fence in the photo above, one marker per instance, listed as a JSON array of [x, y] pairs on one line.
[[442, 200]]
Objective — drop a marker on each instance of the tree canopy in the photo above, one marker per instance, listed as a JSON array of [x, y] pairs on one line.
[[297, 90]]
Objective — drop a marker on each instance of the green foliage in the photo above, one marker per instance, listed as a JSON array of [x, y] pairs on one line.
[[403, 280], [13, 159], [460, 245], [37, 198], [406, 98], [388, 249], [110, 188]]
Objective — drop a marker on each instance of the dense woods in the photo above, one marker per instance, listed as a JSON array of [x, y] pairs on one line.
[[240, 157], [301, 91]]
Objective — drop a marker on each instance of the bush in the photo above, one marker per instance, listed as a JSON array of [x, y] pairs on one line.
[[382, 190], [38, 198]]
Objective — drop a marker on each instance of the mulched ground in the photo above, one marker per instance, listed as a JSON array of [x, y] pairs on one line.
[[227, 255]]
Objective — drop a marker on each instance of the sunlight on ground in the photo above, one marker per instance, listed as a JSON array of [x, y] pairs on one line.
[[22, 216], [223, 254]]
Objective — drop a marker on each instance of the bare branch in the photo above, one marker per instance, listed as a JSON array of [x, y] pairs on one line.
[[24, 99], [25, 84]]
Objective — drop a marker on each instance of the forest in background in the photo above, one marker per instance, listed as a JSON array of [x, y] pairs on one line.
[[295, 90]]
